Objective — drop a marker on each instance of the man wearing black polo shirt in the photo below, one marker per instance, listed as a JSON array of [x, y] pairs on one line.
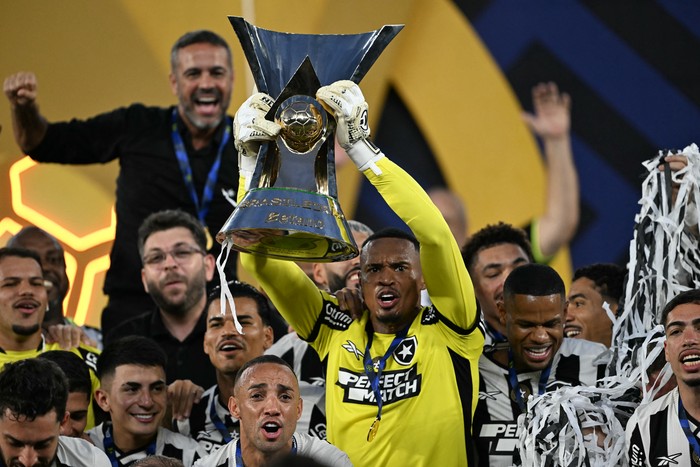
[[175, 272], [180, 157]]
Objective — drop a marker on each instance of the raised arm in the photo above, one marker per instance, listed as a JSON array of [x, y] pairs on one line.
[[28, 124], [444, 272], [295, 296], [551, 122]]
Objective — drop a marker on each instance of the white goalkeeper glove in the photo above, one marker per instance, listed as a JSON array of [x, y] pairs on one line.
[[250, 130], [348, 104]]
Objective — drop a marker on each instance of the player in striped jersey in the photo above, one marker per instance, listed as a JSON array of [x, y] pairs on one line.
[[267, 402], [33, 395], [665, 431], [538, 359], [210, 421], [134, 393]]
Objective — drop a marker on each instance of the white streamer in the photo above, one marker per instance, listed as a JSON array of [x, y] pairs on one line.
[[226, 296], [577, 426]]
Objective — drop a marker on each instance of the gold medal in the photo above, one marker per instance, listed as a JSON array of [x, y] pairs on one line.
[[373, 430], [696, 458]]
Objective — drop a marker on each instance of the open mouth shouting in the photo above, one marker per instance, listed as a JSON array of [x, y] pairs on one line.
[[690, 360], [387, 299], [271, 430], [207, 103], [230, 346]]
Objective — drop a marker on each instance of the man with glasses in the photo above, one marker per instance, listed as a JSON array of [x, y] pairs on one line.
[[176, 268]]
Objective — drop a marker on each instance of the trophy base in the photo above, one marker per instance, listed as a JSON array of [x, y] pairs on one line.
[[289, 224]]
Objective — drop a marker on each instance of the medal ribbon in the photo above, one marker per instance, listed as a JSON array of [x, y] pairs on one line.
[[239, 454], [218, 423], [683, 418], [110, 449], [186, 169], [375, 375], [515, 385]]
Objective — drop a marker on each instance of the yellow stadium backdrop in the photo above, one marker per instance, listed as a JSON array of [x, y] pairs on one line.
[[91, 57]]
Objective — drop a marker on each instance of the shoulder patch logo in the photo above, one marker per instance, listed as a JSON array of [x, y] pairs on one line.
[[430, 315], [403, 355]]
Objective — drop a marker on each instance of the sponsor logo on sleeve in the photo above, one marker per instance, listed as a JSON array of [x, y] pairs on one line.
[[89, 357], [430, 316], [334, 318]]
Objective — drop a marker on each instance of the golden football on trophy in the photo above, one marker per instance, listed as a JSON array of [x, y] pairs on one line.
[[303, 123]]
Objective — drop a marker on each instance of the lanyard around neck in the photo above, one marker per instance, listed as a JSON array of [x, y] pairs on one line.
[[186, 169], [239, 454], [515, 385], [692, 439], [111, 451], [374, 371], [218, 423]]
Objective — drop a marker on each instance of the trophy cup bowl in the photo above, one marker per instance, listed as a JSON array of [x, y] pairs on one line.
[[291, 210]]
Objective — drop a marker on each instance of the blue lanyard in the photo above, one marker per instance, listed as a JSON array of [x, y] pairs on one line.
[[374, 374], [239, 454], [110, 449], [218, 423], [683, 418], [186, 169], [515, 385], [497, 336]]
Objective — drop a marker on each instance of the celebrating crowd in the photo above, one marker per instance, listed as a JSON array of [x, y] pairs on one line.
[[426, 349]]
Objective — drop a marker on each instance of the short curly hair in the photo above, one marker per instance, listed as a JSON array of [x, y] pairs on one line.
[[683, 298], [32, 388], [494, 235], [609, 279]]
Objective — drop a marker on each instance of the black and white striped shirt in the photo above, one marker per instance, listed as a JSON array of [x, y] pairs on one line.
[[577, 362], [319, 450], [76, 452], [654, 435], [168, 444], [202, 428]]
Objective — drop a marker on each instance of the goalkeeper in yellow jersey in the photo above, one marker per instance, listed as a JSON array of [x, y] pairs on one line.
[[402, 381]]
